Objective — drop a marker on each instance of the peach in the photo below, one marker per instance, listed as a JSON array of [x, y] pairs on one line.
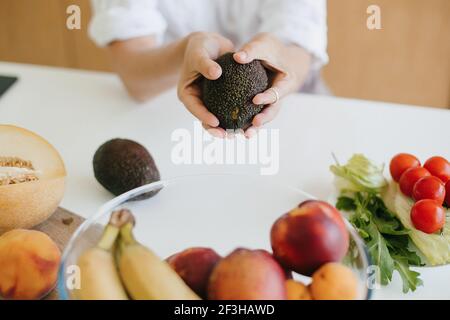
[[334, 281], [29, 262], [309, 236], [297, 290], [247, 275], [194, 266]]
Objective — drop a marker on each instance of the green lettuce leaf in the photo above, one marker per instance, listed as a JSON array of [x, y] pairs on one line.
[[359, 174], [435, 247]]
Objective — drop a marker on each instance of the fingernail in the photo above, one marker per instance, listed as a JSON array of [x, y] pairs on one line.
[[261, 99], [214, 72], [242, 55], [230, 135], [258, 100], [215, 133], [212, 121], [250, 133]]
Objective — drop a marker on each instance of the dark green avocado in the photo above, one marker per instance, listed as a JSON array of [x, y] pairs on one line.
[[229, 98], [121, 165]]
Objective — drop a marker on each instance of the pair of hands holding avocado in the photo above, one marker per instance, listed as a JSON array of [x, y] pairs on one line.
[[289, 63]]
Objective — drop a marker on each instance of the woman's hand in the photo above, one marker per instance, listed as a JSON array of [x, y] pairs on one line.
[[290, 64], [202, 49]]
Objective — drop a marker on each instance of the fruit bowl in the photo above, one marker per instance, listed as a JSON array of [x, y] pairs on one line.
[[223, 212]]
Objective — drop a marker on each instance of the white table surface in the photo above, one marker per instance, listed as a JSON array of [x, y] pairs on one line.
[[78, 110]]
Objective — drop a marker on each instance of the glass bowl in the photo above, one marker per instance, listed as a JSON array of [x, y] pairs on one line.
[[223, 212]]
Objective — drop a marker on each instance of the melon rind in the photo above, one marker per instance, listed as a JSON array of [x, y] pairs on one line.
[[28, 204]]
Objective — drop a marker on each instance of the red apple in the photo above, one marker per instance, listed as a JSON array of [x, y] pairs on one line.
[[309, 236], [194, 266]]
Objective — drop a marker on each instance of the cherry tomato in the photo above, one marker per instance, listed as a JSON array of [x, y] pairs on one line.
[[438, 167], [402, 162], [428, 216], [409, 179], [429, 188], [447, 193]]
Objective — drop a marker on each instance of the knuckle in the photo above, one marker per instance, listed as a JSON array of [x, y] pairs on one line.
[[196, 34], [251, 46], [265, 36], [215, 34]]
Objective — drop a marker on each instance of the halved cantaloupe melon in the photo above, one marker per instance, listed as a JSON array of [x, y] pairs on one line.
[[32, 178]]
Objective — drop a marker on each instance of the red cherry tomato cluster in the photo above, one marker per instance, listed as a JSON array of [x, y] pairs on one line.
[[429, 186]]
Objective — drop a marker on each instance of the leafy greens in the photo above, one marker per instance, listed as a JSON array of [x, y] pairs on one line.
[[360, 183]]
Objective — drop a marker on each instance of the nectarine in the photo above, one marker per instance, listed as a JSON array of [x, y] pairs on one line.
[[29, 262], [194, 266], [247, 275], [309, 236]]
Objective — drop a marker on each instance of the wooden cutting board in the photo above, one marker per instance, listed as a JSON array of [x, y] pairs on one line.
[[60, 227]]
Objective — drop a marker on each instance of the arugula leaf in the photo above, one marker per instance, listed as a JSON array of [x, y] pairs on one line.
[[399, 247], [345, 203], [378, 250], [386, 221], [386, 239], [392, 227], [410, 278], [376, 245]]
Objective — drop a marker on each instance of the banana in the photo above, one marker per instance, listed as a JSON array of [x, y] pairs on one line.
[[145, 275], [99, 277]]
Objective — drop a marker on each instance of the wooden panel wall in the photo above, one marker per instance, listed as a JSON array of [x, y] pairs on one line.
[[34, 31], [408, 61]]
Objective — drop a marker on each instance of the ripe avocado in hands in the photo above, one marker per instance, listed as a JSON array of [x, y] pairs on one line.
[[229, 98]]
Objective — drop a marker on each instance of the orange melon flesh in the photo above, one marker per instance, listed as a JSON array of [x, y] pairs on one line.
[[26, 204]]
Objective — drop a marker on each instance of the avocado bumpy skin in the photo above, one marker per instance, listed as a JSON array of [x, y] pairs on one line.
[[229, 98], [121, 165]]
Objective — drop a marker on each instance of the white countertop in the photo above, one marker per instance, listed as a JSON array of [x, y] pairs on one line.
[[78, 110]]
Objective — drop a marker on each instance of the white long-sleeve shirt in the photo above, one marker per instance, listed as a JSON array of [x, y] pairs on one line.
[[300, 22]]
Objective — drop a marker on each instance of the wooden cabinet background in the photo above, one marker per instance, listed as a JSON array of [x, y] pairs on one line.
[[34, 31], [407, 61]]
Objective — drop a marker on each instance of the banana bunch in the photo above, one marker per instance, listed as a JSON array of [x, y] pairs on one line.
[[120, 268]]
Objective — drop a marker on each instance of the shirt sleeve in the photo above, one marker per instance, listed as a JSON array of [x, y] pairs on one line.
[[125, 19], [300, 22]]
